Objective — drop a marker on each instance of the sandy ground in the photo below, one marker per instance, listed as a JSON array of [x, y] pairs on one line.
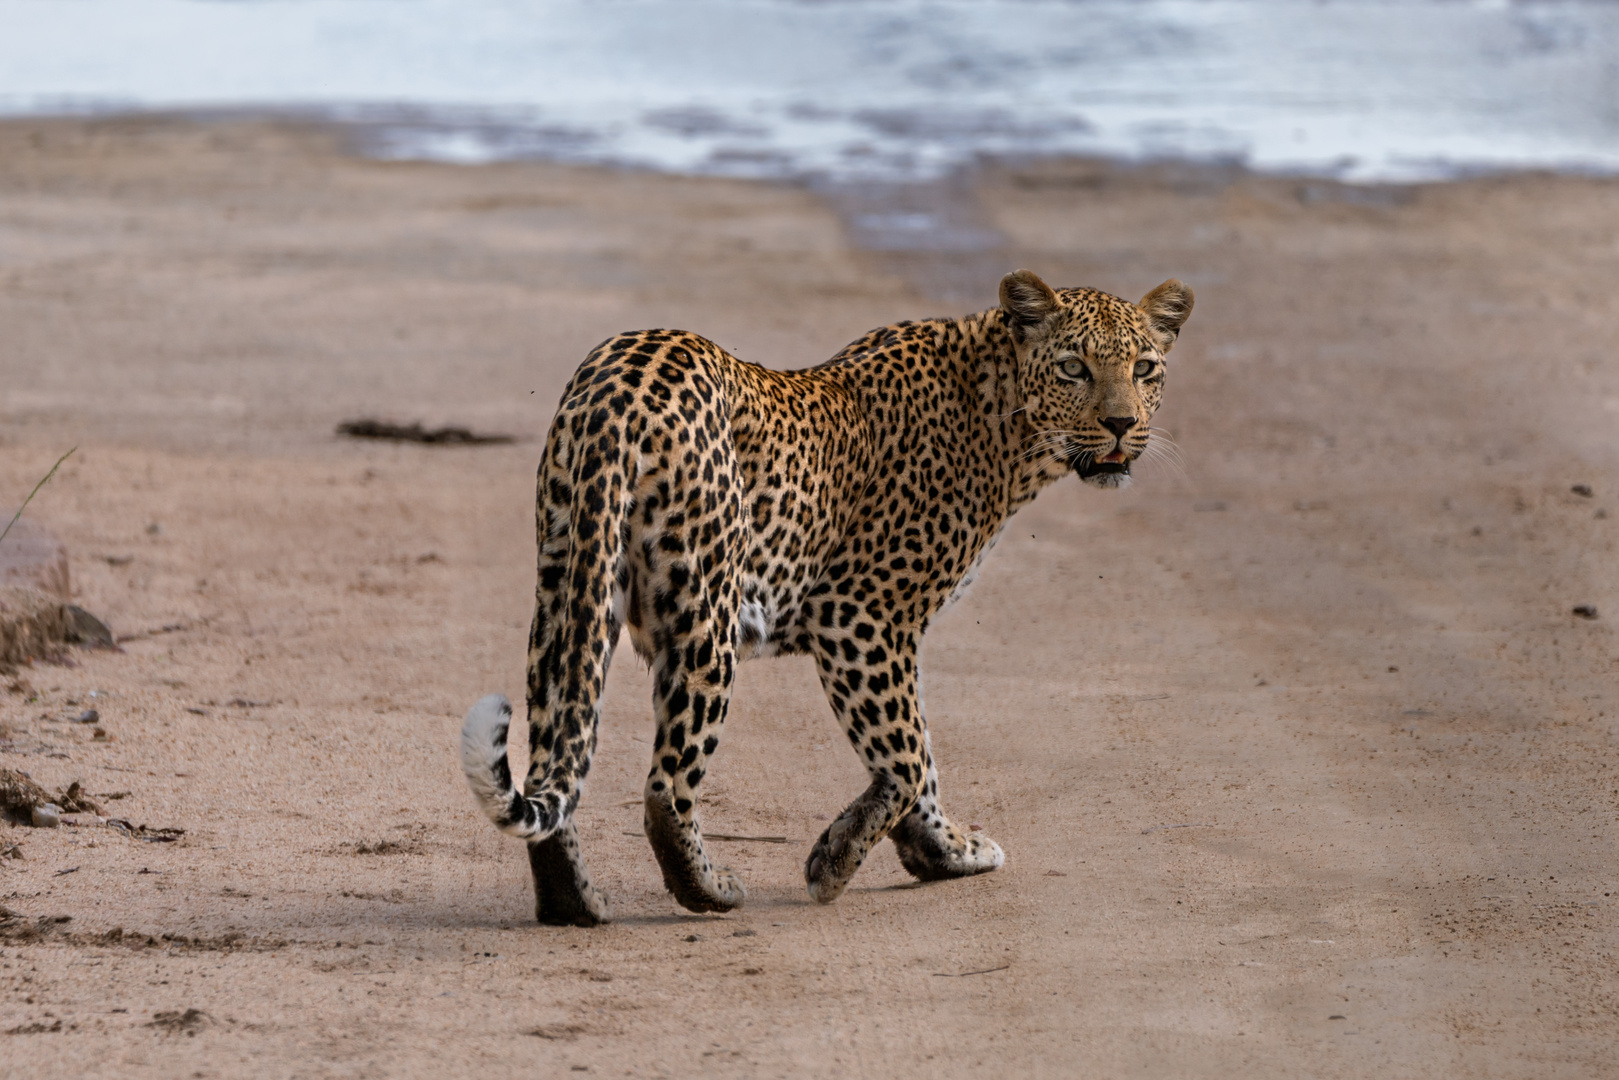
[[1302, 763]]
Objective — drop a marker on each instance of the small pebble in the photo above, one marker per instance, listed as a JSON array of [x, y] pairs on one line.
[[1586, 611], [48, 816], [88, 716], [693, 937], [100, 735], [1582, 489]]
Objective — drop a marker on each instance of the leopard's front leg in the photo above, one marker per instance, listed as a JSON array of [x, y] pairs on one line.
[[869, 674], [932, 847]]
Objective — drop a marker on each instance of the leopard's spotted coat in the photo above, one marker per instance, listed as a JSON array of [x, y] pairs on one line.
[[722, 511]]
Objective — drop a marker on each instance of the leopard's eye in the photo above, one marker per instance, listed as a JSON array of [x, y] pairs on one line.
[[1076, 369], [1144, 368]]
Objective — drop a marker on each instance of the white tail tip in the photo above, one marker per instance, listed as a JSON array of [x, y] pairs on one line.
[[483, 754]]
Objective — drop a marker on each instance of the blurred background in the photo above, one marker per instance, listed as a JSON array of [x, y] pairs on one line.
[[900, 89]]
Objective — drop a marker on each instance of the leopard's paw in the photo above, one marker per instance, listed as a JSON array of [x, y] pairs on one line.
[[718, 890], [832, 862], [727, 891], [697, 884], [982, 856], [563, 893], [943, 853], [587, 906]]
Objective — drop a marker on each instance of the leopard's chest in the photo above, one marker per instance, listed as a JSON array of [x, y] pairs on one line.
[[973, 567]]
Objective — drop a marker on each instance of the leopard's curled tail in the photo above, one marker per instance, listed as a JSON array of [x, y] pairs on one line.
[[584, 500], [483, 759]]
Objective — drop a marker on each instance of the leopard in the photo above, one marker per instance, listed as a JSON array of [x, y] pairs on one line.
[[721, 511]]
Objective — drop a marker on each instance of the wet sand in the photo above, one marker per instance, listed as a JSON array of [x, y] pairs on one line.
[[1301, 760]]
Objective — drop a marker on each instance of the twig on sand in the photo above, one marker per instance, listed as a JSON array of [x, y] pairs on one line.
[[166, 628], [1183, 825], [31, 494], [964, 974]]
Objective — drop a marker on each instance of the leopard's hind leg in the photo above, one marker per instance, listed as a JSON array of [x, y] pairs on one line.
[[563, 892], [684, 607], [690, 698], [581, 506]]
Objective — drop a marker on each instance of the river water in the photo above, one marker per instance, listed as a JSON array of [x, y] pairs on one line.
[[863, 89]]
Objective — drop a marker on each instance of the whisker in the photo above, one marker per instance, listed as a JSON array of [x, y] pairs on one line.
[[1045, 439], [1160, 451], [1157, 437], [1048, 446], [1034, 466], [1046, 435], [1034, 455], [1049, 431], [1162, 438]]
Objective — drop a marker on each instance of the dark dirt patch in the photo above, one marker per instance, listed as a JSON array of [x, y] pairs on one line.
[[388, 847], [152, 834], [19, 929], [443, 436], [175, 1022]]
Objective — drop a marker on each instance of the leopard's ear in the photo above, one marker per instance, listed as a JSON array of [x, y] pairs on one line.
[[1167, 308], [1028, 302]]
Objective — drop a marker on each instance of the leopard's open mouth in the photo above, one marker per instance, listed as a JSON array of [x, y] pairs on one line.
[[1102, 468], [1114, 463]]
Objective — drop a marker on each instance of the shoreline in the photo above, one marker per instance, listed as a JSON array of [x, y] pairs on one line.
[[360, 127]]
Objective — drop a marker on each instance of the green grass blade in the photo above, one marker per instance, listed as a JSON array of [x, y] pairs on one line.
[[31, 494]]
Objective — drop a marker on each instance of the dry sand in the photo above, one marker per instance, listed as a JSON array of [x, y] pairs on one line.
[[1302, 764]]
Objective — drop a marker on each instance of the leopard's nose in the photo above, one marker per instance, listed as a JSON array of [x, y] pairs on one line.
[[1119, 424]]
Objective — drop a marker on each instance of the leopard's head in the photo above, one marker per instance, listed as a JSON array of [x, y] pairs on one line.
[[1091, 369]]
